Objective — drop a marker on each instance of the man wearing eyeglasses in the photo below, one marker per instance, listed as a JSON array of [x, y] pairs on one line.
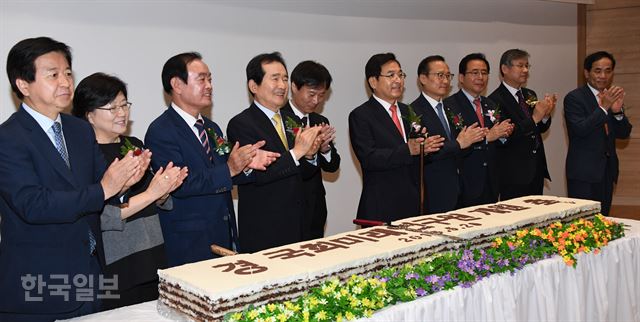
[[521, 157], [441, 168], [595, 119], [379, 132], [478, 166]]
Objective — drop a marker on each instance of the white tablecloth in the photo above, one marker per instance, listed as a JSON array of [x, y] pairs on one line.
[[603, 287]]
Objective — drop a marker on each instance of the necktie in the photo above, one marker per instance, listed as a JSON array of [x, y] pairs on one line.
[[304, 121], [523, 104], [443, 119], [277, 120], [204, 138], [92, 242], [394, 117], [476, 102], [57, 137]]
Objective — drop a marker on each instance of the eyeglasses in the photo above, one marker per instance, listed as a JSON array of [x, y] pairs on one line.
[[401, 75], [522, 66], [478, 73], [125, 107], [442, 76]]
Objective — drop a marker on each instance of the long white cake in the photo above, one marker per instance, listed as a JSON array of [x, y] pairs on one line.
[[207, 290]]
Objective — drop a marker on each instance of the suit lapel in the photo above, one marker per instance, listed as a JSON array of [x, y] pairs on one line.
[[466, 109], [286, 114], [404, 109], [384, 118], [431, 119], [511, 101], [184, 131], [44, 145], [265, 126]]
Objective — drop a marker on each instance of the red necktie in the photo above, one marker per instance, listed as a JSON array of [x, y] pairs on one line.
[[476, 102], [394, 116]]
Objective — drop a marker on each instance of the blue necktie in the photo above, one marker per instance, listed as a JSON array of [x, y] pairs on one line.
[[59, 141], [443, 119]]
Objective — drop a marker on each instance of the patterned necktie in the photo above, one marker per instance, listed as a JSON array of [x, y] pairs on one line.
[[476, 102], [59, 140], [394, 117], [305, 121], [277, 120], [443, 119], [57, 137], [523, 104], [204, 138]]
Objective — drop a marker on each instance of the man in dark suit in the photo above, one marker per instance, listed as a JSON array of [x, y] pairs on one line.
[[271, 208], [202, 212], [595, 119], [521, 157], [310, 82], [478, 164], [441, 168], [53, 186], [379, 132]]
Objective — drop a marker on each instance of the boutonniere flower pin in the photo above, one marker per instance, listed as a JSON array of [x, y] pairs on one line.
[[495, 115], [532, 100], [415, 121], [128, 146], [222, 145], [294, 127], [456, 120]]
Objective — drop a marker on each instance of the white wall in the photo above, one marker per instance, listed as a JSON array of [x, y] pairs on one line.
[[133, 39]]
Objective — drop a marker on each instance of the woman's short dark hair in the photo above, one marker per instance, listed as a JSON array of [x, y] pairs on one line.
[[94, 91]]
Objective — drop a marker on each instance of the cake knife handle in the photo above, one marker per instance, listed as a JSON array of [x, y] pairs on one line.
[[219, 250], [368, 223]]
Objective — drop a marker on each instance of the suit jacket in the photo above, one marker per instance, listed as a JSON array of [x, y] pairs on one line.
[[523, 151], [202, 211], [390, 174], [478, 165], [271, 208], [47, 210], [589, 145], [442, 183], [314, 192]]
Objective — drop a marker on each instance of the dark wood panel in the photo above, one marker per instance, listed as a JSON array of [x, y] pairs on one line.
[[621, 211], [616, 31], [631, 85], [611, 4], [629, 156]]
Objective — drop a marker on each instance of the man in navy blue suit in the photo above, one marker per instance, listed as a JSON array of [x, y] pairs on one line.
[[478, 164], [202, 212], [53, 186], [595, 119], [441, 167]]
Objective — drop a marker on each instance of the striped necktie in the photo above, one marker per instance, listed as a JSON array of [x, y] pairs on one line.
[[204, 138]]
